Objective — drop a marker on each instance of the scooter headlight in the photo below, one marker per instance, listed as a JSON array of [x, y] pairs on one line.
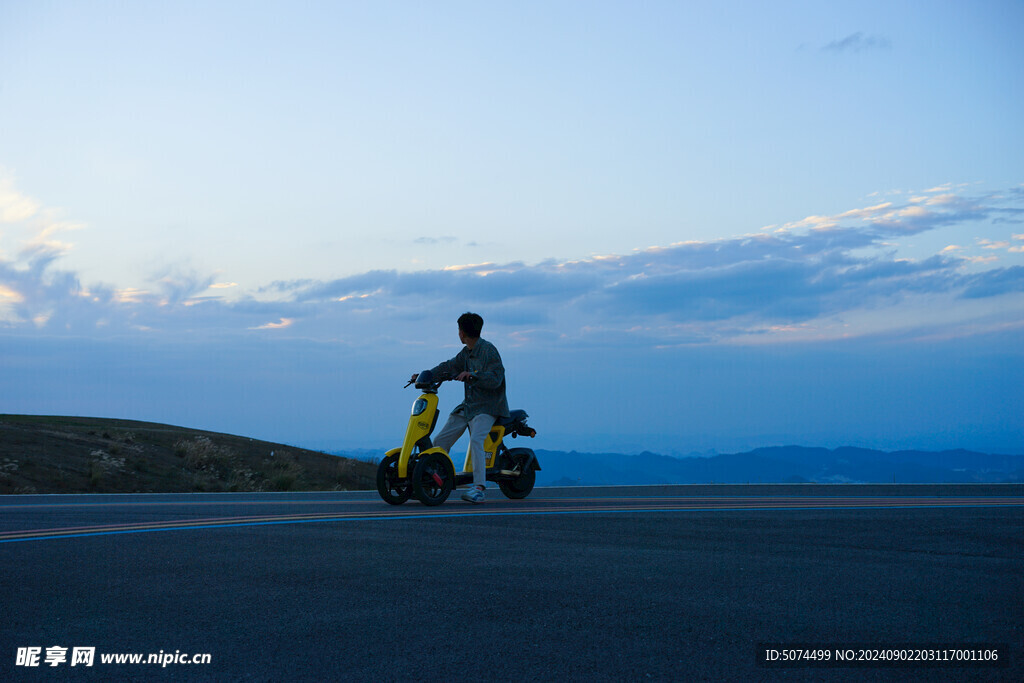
[[419, 406]]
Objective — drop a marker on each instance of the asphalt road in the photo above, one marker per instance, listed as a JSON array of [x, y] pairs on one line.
[[640, 583]]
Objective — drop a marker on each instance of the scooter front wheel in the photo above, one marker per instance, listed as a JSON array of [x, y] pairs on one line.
[[433, 479], [391, 488]]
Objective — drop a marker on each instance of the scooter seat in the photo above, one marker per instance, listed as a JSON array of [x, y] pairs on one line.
[[514, 417]]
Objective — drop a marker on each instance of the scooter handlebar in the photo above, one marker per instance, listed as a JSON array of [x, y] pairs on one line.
[[425, 379]]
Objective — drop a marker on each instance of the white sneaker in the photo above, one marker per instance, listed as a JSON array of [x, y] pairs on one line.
[[475, 494]]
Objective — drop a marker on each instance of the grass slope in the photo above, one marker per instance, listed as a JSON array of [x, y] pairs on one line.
[[46, 454]]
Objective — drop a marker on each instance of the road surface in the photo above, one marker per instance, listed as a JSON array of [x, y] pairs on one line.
[[616, 583]]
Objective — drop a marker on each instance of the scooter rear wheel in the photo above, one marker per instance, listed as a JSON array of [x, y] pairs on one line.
[[521, 486], [433, 479], [390, 487]]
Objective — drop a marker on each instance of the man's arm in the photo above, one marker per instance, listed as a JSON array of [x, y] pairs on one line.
[[450, 369], [493, 372]]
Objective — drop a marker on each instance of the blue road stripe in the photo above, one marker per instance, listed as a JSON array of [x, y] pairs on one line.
[[496, 514]]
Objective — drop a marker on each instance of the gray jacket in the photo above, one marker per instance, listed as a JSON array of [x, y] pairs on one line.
[[485, 390]]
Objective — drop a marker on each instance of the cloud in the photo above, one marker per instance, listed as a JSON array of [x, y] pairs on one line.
[[694, 290], [10, 295], [1013, 218], [995, 282], [284, 322], [14, 206], [916, 216], [774, 289], [809, 272], [857, 42], [37, 226], [180, 283], [431, 241], [996, 245]]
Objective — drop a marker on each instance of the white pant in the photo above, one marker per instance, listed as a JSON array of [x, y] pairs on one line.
[[479, 427]]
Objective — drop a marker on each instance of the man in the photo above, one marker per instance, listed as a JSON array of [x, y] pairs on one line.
[[479, 366]]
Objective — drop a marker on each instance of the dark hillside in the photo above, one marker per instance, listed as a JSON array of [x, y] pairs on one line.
[[44, 454]]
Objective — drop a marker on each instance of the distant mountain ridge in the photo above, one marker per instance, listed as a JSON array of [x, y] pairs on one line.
[[781, 464], [53, 454]]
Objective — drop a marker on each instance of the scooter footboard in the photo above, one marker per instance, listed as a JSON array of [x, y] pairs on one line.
[[515, 462]]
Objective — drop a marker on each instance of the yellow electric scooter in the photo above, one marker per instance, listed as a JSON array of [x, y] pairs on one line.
[[419, 469]]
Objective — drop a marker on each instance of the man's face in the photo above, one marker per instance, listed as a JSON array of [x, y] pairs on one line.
[[462, 336]]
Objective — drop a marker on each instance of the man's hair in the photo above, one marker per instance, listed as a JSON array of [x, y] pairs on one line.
[[471, 324]]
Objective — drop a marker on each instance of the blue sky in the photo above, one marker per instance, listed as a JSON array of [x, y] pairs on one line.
[[687, 226]]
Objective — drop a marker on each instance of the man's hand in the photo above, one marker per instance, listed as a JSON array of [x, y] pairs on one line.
[[464, 376], [414, 378]]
